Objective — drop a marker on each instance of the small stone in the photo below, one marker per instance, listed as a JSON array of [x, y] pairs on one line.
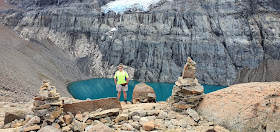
[[141, 113], [135, 125], [79, 117], [136, 118], [33, 120], [121, 117], [78, 126], [149, 126], [38, 103], [152, 113], [162, 115], [187, 121], [60, 120], [143, 120], [67, 119], [55, 125], [57, 113], [127, 126], [99, 127], [66, 129], [51, 118]]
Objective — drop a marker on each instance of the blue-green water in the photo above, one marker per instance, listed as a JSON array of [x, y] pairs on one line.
[[105, 87]]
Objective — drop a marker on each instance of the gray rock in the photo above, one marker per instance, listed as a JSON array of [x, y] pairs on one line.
[[162, 115], [127, 127], [11, 116], [193, 114], [136, 118], [100, 127], [121, 117]]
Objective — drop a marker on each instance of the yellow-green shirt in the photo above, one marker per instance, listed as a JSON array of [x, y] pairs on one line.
[[121, 77]]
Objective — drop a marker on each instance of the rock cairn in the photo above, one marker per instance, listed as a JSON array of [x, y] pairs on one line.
[[187, 92], [48, 104]]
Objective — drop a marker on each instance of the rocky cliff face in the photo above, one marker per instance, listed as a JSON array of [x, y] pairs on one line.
[[223, 37]]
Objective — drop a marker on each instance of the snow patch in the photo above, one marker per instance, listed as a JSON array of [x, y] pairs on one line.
[[120, 6]]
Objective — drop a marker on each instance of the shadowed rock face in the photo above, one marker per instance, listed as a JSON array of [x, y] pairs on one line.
[[221, 36]]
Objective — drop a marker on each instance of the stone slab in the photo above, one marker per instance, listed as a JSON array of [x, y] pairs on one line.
[[189, 73], [186, 82], [92, 105], [199, 89]]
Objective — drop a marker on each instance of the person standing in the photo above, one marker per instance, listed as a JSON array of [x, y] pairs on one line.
[[121, 79]]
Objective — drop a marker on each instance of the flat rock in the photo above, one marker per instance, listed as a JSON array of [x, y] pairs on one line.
[[198, 89], [187, 81], [31, 128], [183, 106], [121, 117], [105, 113], [92, 105]]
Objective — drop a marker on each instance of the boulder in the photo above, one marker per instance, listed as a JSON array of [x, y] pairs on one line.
[[10, 116], [143, 93], [92, 105], [244, 107]]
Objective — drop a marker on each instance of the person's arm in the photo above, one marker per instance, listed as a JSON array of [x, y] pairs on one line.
[[127, 78], [115, 78], [115, 81]]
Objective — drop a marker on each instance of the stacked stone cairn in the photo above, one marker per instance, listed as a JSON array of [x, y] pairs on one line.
[[187, 92], [48, 105]]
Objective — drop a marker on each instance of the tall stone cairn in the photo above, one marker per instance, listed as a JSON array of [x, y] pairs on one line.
[[48, 105], [187, 92]]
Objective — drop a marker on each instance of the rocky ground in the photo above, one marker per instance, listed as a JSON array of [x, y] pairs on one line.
[[133, 117]]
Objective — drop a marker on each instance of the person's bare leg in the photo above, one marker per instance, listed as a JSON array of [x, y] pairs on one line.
[[119, 95], [124, 95]]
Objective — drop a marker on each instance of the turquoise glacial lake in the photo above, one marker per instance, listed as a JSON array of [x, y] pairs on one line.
[[105, 87]]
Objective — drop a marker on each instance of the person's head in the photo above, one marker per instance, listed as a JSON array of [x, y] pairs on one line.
[[120, 67]]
